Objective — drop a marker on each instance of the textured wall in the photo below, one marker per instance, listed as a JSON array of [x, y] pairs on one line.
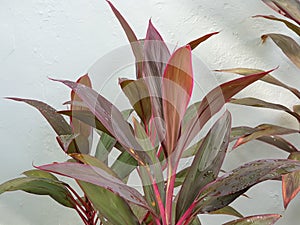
[[63, 39]]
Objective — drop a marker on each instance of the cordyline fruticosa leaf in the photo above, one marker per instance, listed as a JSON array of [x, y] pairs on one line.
[[263, 130], [40, 186], [268, 78], [134, 42], [206, 164], [290, 8], [83, 131], [178, 76], [198, 41], [111, 118], [267, 219], [290, 25], [98, 177], [57, 122], [289, 47], [228, 210]]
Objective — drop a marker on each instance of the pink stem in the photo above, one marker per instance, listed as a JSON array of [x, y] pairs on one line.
[[187, 214]]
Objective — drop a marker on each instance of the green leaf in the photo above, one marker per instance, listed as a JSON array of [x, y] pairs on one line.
[[267, 219], [40, 174], [228, 210], [206, 165], [263, 104], [40, 186], [124, 165], [115, 209], [198, 41], [290, 25], [268, 78], [289, 47]]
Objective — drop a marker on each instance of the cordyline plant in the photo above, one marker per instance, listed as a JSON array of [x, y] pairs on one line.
[[164, 129]]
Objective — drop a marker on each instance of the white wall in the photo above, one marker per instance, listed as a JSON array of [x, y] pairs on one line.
[[63, 39]]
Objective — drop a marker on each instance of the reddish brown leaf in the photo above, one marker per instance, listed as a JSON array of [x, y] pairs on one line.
[[267, 219], [198, 41]]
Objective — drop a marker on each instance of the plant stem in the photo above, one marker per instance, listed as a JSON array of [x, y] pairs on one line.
[[186, 214]]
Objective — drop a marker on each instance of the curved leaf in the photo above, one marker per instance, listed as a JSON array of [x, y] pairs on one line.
[[40, 174], [206, 165], [40, 186], [289, 47], [267, 219], [228, 210], [268, 78], [198, 41]]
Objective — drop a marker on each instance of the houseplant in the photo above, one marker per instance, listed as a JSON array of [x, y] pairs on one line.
[[148, 145]]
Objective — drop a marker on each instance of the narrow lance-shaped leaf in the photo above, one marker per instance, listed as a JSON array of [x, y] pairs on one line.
[[98, 177], [267, 219], [83, 131], [134, 42], [263, 104], [177, 88], [290, 9], [290, 25], [206, 164], [268, 78], [56, 121], [289, 47], [198, 41], [264, 130], [111, 118], [228, 210]]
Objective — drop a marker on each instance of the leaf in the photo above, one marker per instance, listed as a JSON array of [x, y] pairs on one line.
[[196, 221], [290, 25], [156, 57], [296, 109], [228, 187], [40, 174], [83, 131], [263, 104], [263, 130], [290, 9], [124, 165], [268, 78], [290, 187], [40, 186], [135, 44], [289, 47], [177, 88], [114, 208], [56, 121], [267, 219], [139, 97], [111, 118], [279, 142], [209, 106], [206, 165], [198, 41], [228, 210], [98, 177]]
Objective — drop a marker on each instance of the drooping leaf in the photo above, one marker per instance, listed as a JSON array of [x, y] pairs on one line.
[[228, 210], [198, 41], [98, 177], [277, 141], [228, 187], [290, 9], [114, 208], [206, 165], [134, 42], [264, 130], [290, 25], [40, 186], [139, 97], [156, 56], [177, 86], [263, 104], [111, 118], [209, 106], [268, 78], [40, 174], [56, 121], [83, 131], [289, 47], [267, 219]]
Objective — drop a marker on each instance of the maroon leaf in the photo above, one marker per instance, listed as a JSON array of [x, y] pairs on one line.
[[135, 44], [98, 177], [289, 47], [177, 88], [290, 187], [198, 41], [267, 219], [290, 9]]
